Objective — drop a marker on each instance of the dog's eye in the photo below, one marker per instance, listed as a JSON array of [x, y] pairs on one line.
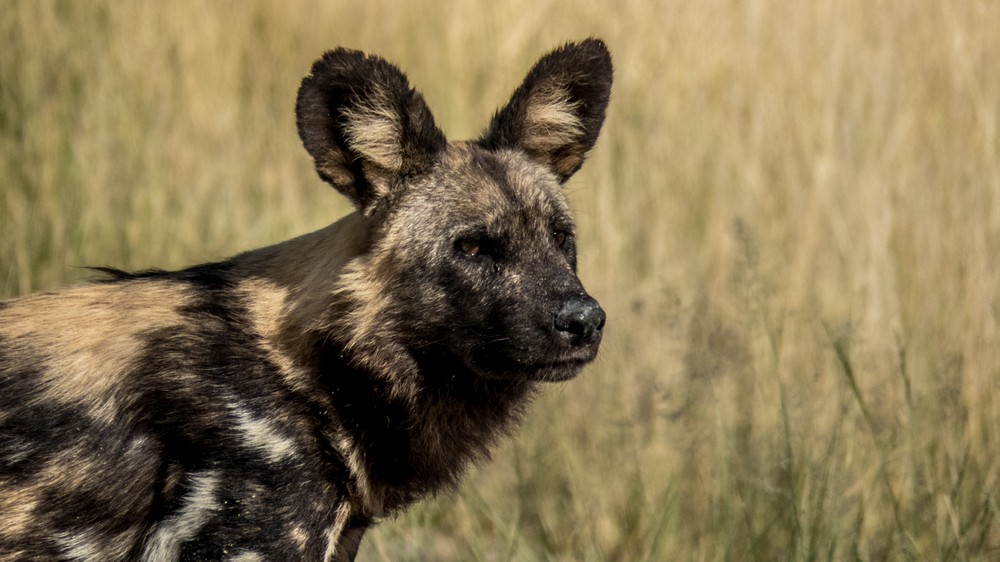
[[469, 247], [478, 249], [560, 238], [475, 246]]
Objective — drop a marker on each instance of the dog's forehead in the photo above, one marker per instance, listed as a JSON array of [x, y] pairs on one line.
[[498, 185]]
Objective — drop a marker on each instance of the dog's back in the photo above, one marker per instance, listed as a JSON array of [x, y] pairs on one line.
[[140, 414]]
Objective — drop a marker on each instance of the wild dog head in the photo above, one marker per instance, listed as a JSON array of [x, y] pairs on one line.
[[473, 240]]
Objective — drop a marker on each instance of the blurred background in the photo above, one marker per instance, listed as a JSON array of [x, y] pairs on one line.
[[792, 219]]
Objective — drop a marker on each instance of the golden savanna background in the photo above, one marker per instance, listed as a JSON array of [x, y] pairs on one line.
[[792, 219]]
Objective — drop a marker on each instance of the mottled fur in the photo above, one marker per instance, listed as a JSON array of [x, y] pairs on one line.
[[274, 405]]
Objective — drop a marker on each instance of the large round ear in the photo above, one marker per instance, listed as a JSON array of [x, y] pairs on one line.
[[556, 114], [364, 126]]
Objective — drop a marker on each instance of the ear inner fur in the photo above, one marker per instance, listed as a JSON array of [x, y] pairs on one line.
[[556, 114], [364, 126]]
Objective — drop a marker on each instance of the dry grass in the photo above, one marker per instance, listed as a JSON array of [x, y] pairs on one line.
[[792, 219]]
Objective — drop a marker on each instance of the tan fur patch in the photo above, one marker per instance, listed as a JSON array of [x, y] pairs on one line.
[[300, 537], [268, 303], [89, 336], [334, 165], [374, 129], [18, 507], [551, 121], [567, 163], [311, 264]]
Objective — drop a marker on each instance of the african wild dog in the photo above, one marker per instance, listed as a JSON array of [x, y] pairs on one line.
[[274, 405]]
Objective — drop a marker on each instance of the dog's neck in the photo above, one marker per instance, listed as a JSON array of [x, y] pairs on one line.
[[406, 444]]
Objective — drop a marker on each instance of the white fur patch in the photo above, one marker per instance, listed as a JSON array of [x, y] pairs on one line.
[[247, 557], [78, 546], [336, 530], [263, 435], [199, 505]]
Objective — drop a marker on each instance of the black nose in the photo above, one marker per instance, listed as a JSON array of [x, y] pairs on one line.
[[581, 318]]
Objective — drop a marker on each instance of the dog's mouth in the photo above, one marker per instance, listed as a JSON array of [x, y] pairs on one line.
[[558, 371], [548, 370], [541, 357], [562, 368]]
